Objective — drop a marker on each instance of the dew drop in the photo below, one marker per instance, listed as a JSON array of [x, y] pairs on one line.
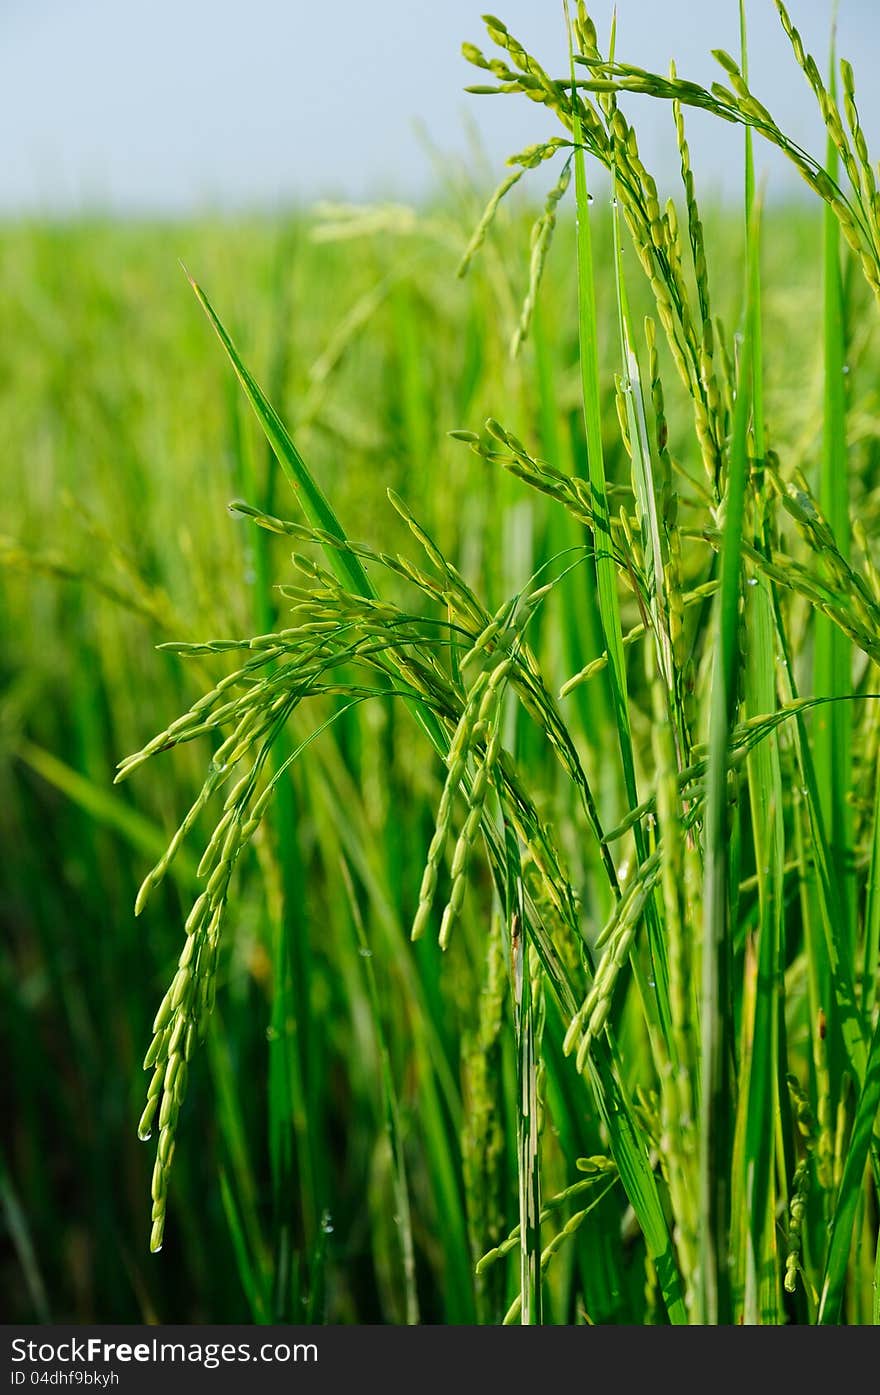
[[145, 1135], [327, 1223], [846, 368], [365, 953], [752, 581], [157, 1249]]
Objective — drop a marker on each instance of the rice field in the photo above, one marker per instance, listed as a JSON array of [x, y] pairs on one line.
[[515, 958]]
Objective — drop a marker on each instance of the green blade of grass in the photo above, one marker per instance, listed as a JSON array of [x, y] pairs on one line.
[[348, 570], [250, 1277], [715, 1024], [631, 1156], [871, 952], [657, 1002], [850, 1189], [107, 809], [295, 1113], [606, 574], [528, 1143], [569, 1229]]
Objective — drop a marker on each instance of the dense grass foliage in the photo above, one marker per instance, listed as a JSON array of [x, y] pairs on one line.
[[578, 789]]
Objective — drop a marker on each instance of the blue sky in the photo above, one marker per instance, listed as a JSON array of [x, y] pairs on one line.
[[175, 105]]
